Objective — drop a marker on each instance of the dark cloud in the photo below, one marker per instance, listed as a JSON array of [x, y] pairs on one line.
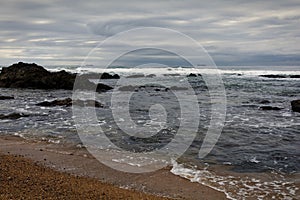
[[233, 32]]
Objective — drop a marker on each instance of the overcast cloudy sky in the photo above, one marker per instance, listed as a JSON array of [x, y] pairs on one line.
[[60, 32]]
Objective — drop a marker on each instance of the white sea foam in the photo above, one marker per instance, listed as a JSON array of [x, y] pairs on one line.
[[238, 187], [254, 160], [180, 71], [21, 135]]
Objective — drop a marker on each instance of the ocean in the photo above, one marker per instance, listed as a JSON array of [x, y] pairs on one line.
[[256, 154]]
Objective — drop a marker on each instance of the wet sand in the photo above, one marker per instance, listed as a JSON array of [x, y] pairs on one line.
[[43, 170]]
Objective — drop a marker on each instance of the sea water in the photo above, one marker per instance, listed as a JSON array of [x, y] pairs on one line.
[[252, 141]]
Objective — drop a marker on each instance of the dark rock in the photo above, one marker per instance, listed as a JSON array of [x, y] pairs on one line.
[[294, 76], [192, 75], [295, 105], [60, 102], [82, 83], [24, 75], [6, 97], [102, 87], [269, 108], [13, 116], [273, 76], [264, 102], [109, 76], [69, 102]]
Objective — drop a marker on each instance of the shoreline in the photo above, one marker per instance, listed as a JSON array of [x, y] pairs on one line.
[[176, 182], [77, 161]]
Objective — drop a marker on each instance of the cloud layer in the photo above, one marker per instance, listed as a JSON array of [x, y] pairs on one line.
[[233, 32]]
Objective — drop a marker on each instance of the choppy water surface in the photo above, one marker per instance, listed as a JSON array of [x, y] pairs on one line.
[[253, 140]]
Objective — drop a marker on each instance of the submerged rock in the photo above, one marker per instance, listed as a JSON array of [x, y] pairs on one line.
[[13, 116], [6, 97], [269, 108], [69, 102], [33, 76], [295, 105]]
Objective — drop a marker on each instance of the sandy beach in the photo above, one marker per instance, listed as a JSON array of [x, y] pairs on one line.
[[24, 179], [49, 171]]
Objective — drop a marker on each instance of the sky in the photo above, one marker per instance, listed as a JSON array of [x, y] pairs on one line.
[[63, 32]]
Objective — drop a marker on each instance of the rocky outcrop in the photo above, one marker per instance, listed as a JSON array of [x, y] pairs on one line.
[[13, 116], [33, 76], [295, 105], [6, 97], [69, 102], [23, 75]]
